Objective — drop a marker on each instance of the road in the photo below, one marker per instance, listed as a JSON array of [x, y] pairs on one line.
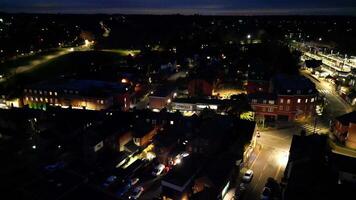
[[335, 106], [270, 160]]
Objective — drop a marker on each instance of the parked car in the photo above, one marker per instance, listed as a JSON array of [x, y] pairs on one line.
[[109, 181], [134, 181], [158, 170], [136, 193], [123, 189], [247, 177], [266, 193]]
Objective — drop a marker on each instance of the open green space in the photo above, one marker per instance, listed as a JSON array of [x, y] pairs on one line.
[[6, 66], [71, 63]]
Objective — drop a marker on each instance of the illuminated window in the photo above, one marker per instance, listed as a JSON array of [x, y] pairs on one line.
[[171, 122], [299, 100], [46, 100], [271, 102], [40, 91], [281, 101], [288, 101], [26, 98], [41, 99], [31, 98], [306, 100], [312, 100], [50, 93], [36, 99], [102, 101], [55, 93], [288, 91]]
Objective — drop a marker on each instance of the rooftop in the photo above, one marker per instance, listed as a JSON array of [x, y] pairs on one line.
[[347, 118]]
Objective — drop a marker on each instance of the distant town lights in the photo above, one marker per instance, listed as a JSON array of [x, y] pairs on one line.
[[249, 36], [34, 146], [124, 80]]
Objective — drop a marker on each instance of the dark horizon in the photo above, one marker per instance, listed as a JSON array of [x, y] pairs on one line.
[[201, 7]]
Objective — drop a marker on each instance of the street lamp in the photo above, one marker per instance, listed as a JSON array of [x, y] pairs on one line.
[[249, 36]]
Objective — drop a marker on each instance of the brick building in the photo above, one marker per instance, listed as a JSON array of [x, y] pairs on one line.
[[292, 97]]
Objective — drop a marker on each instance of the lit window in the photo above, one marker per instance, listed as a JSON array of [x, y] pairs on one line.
[[312, 100], [306, 100], [46, 100], [41, 99], [55, 93], [288, 91], [271, 102], [102, 101], [36, 99], [31, 98], [50, 93], [40, 91], [299, 100], [171, 122], [281, 101], [288, 101], [26, 98], [264, 101]]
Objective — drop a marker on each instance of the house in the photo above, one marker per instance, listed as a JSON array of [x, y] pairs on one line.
[[216, 179], [177, 184], [307, 174], [291, 98], [344, 129], [161, 98]]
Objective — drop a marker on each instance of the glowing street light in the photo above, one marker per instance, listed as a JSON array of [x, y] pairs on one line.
[[249, 36], [34, 146]]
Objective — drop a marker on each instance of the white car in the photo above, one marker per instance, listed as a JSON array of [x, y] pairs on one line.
[[136, 193], [247, 177], [158, 170]]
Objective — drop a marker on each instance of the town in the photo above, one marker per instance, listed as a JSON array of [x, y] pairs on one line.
[[177, 107]]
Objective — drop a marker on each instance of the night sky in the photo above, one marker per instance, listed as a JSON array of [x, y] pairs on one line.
[[215, 7]]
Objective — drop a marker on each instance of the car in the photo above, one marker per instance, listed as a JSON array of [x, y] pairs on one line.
[[247, 177], [122, 190], [136, 193], [242, 187], [55, 166], [109, 181], [158, 170], [134, 181], [266, 193]]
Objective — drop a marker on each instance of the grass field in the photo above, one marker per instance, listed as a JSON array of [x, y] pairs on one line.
[[24, 60], [74, 62]]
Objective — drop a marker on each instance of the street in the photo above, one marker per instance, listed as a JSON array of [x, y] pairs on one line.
[[269, 160]]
